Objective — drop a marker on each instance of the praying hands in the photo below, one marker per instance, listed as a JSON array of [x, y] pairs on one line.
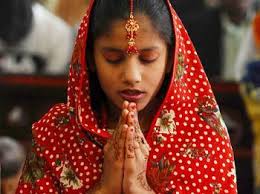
[[125, 157], [136, 155]]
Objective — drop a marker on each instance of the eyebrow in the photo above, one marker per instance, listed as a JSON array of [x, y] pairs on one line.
[[113, 49]]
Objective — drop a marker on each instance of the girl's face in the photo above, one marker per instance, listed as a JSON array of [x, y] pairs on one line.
[[137, 77]]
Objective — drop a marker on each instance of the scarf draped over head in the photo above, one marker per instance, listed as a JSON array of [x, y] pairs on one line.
[[190, 146]]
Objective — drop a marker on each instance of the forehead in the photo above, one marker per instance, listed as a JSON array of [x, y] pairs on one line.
[[117, 33]]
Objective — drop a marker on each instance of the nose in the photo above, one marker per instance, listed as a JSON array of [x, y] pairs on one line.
[[132, 73]]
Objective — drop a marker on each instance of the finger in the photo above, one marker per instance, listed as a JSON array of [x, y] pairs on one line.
[[133, 119], [121, 125], [141, 153], [125, 105], [142, 145], [123, 118], [130, 119], [132, 106], [121, 144], [118, 131], [141, 139], [117, 145], [133, 111], [122, 122], [140, 136], [113, 143], [129, 146]]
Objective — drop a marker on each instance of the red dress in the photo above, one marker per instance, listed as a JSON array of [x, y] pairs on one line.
[[190, 146]]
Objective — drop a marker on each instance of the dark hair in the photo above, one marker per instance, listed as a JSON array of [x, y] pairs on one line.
[[106, 12], [15, 20]]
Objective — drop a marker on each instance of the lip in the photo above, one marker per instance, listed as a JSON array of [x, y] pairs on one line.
[[132, 95]]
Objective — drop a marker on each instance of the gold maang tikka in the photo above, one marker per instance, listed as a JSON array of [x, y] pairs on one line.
[[131, 27]]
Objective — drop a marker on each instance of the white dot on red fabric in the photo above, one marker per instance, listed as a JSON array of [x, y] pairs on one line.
[[161, 145]]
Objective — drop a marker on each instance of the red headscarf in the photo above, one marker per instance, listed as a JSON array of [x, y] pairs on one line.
[[190, 146]]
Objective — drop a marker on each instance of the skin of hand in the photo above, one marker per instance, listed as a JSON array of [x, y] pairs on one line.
[[114, 154], [136, 156], [125, 157]]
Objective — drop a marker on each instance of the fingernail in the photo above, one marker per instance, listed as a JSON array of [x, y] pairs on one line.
[[125, 104], [125, 112], [132, 115], [131, 129], [132, 106]]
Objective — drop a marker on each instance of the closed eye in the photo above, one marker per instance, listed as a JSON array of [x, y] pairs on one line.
[[113, 56], [148, 56], [147, 60]]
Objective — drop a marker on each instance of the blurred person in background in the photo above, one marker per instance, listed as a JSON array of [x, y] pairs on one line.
[[221, 35], [251, 94], [32, 39], [12, 157], [236, 21]]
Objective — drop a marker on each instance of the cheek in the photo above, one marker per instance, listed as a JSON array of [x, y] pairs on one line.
[[102, 72], [156, 77], [107, 82], [105, 78]]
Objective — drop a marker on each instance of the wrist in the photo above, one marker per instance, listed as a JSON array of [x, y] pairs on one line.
[[108, 190]]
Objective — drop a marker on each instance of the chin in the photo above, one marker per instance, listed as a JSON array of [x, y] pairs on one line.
[[141, 106]]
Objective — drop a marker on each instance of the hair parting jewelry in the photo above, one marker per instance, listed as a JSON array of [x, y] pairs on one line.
[[131, 27]]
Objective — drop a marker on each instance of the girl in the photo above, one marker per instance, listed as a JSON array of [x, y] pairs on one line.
[[141, 116]]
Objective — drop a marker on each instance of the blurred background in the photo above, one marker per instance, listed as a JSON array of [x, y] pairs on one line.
[[36, 41]]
